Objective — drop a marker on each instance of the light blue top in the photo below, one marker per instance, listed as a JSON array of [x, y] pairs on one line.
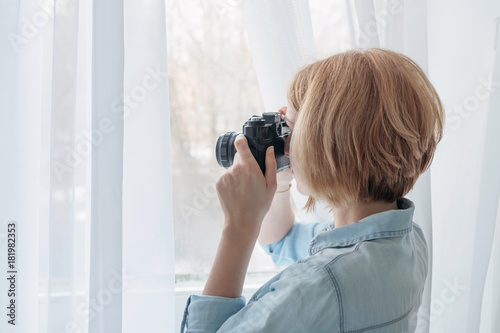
[[367, 276]]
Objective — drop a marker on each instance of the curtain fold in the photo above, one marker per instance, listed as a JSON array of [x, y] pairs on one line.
[[489, 193], [61, 227], [281, 40], [107, 167], [148, 240], [20, 118], [367, 22], [44, 278]]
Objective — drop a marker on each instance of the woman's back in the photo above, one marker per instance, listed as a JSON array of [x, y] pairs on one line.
[[364, 277]]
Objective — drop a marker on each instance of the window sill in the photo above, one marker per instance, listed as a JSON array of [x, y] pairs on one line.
[[193, 284]]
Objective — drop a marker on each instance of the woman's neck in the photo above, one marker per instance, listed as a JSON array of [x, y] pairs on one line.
[[356, 212]]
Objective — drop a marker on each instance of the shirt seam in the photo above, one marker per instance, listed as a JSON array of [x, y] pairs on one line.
[[336, 286]]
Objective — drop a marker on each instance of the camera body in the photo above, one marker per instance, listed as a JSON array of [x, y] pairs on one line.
[[261, 132]]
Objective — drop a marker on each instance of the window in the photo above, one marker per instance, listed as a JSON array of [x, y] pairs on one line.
[[214, 89]]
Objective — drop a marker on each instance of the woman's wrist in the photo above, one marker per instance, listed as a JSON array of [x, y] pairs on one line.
[[242, 228]]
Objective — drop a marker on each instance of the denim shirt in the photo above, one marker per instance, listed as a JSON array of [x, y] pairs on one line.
[[367, 276]]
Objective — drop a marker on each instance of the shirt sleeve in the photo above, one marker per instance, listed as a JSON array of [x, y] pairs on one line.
[[300, 300], [294, 246], [207, 313]]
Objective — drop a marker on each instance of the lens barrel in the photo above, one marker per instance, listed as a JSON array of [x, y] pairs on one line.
[[225, 150]]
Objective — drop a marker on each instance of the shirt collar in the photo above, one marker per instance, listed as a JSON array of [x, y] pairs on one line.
[[391, 223]]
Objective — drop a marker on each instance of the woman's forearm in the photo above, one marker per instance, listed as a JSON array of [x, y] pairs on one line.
[[231, 262], [279, 219]]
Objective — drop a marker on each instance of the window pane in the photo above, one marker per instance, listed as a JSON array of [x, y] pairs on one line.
[[213, 89]]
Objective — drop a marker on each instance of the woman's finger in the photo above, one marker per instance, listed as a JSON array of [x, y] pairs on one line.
[[245, 154], [241, 145], [236, 158], [271, 174]]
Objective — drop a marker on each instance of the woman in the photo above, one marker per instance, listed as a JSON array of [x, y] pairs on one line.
[[365, 126]]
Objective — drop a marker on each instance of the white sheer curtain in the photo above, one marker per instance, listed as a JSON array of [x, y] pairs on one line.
[[463, 64], [459, 217], [86, 170], [20, 132], [148, 236]]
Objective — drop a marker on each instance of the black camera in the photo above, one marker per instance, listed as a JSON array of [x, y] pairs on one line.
[[270, 129]]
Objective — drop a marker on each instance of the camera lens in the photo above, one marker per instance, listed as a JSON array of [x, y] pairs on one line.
[[225, 150]]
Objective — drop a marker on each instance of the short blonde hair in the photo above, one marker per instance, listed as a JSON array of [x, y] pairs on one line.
[[368, 125]]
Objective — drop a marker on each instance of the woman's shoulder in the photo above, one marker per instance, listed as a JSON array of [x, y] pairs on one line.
[[382, 279], [406, 253]]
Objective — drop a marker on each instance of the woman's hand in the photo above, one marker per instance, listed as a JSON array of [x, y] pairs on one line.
[[244, 192]]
